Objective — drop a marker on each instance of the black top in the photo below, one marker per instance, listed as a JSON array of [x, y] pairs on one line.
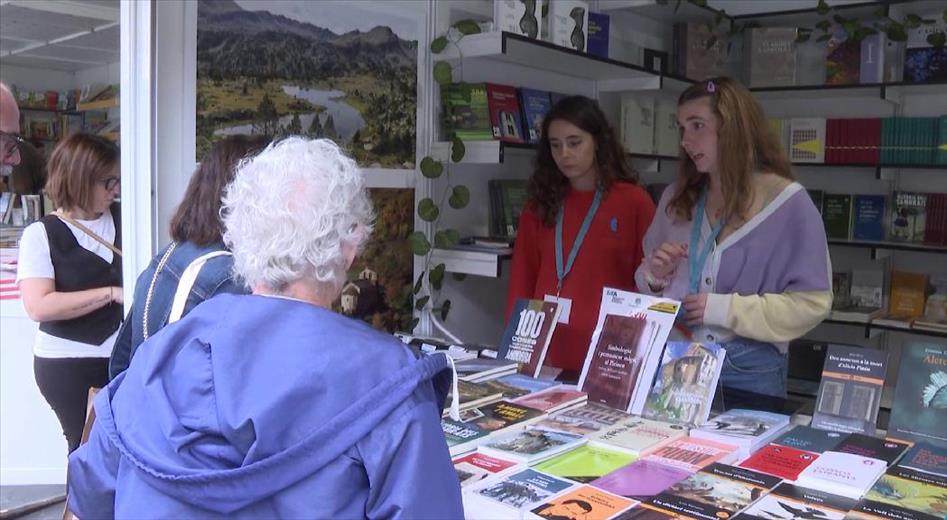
[[78, 269]]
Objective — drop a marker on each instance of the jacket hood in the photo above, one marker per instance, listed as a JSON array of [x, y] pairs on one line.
[[248, 395]]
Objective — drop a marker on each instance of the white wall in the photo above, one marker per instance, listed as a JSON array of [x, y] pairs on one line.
[[36, 79]]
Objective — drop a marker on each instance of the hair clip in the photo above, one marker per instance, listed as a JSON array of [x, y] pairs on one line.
[[711, 87]]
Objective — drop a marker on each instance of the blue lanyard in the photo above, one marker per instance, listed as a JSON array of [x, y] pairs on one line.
[[696, 258], [579, 238]]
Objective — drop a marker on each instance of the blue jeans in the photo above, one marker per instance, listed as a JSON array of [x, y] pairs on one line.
[[754, 366]]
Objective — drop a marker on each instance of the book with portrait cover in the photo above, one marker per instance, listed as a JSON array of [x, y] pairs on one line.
[[585, 463], [582, 503], [641, 479], [527, 336], [790, 502], [686, 383], [715, 492], [850, 391], [919, 410]]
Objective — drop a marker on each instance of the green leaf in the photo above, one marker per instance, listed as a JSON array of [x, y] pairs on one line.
[[460, 277], [803, 36], [841, 20], [421, 302], [457, 149], [862, 31], [439, 44], [699, 3], [824, 25], [417, 284], [431, 168], [428, 210], [419, 243], [446, 238], [822, 8], [467, 27], [443, 74], [937, 39], [436, 276], [445, 309], [824, 38], [896, 32], [912, 21], [459, 197], [881, 12]]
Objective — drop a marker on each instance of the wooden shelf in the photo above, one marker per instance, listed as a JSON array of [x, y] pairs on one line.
[[102, 104]]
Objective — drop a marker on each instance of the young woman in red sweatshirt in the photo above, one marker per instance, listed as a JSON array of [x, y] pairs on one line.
[[583, 195]]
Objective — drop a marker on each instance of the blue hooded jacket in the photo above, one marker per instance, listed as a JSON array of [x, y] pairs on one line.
[[258, 407]]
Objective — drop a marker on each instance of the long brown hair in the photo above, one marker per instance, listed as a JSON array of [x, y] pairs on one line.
[[76, 164], [548, 186], [197, 219], [746, 144]]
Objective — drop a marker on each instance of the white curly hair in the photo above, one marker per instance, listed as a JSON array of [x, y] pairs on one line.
[[293, 211]]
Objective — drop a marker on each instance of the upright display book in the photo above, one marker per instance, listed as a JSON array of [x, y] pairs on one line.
[[637, 123], [465, 111], [888, 450], [535, 105], [850, 392], [810, 439], [517, 17], [842, 58], [474, 467], [926, 458], [837, 216], [637, 436], [507, 496], [532, 445], [746, 429], [919, 410], [598, 34], [527, 336], [585, 463], [717, 491], [780, 461], [641, 480], [904, 495], [686, 384], [791, 502], [626, 348], [582, 503], [701, 51], [844, 474], [771, 53], [569, 23], [692, 454], [505, 113], [869, 217], [667, 137], [908, 217]]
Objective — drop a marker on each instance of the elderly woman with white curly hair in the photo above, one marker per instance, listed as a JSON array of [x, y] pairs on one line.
[[271, 405]]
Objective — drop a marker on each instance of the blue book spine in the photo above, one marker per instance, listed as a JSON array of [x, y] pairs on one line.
[[597, 44], [535, 104], [869, 217], [872, 56]]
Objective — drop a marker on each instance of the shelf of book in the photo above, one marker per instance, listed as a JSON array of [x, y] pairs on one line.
[[102, 104], [481, 262], [889, 246], [880, 91], [480, 152], [869, 327]]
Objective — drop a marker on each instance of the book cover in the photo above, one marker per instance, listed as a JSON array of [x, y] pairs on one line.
[[686, 383], [505, 116], [584, 420], [535, 105], [521, 490], [841, 290], [704, 51], [789, 502], [474, 394], [909, 216], [477, 368], [501, 415], [888, 450], [527, 383], [807, 140], [772, 56], [919, 410], [692, 454], [461, 437], [585, 463], [582, 503], [641, 479], [553, 399], [638, 123], [842, 58], [810, 439], [780, 461], [569, 23], [638, 436], [869, 217], [850, 392], [837, 216], [908, 294], [517, 17], [868, 287], [926, 458], [904, 495], [465, 111], [844, 474], [527, 336], [743, 428], [598, 34], [871, 68], [922, 61], [667, 137], [508, 196], [613, 372], [715, 492], [532, 445], [474, 467]]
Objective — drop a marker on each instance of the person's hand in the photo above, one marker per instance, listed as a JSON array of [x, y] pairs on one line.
[[694, 306], [664, 260], [118, 295]]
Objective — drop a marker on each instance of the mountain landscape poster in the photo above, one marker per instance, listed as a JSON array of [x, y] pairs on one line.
[[342, 70]]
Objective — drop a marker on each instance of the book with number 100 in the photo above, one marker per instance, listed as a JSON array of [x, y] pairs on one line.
[[527, 336]]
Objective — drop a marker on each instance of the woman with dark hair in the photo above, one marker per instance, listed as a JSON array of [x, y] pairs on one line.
[[70, 277], [582, 227], [196, 265]]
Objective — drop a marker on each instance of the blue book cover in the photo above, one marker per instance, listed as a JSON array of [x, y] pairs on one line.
[[926, 457], [871, 69], [810, 439], [597, 44], [535, 104], [869, 215]]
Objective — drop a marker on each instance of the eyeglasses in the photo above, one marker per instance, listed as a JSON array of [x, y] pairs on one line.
[[111, 182], [9, 144]]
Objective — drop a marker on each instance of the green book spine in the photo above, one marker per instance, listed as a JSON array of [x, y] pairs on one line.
[[942, 141]]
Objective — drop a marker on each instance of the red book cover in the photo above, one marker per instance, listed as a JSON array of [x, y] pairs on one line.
[[876, 141], [614, 369], [505, 115], [842, 140], [527, 335], [867, 128], [780, 461]]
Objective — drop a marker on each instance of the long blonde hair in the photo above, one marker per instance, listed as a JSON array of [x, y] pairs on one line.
[[746, 144]]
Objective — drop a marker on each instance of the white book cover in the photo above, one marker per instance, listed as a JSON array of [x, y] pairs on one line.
[[807, 140], [747, 429], [843, 474], [667, 138], [517, 17], [569, 23], [638, 124], [532, 446]]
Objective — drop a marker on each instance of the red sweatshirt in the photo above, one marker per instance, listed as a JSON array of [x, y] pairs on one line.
[[608, 257]]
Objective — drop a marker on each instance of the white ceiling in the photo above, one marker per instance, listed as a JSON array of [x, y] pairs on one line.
[[66, 35]]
